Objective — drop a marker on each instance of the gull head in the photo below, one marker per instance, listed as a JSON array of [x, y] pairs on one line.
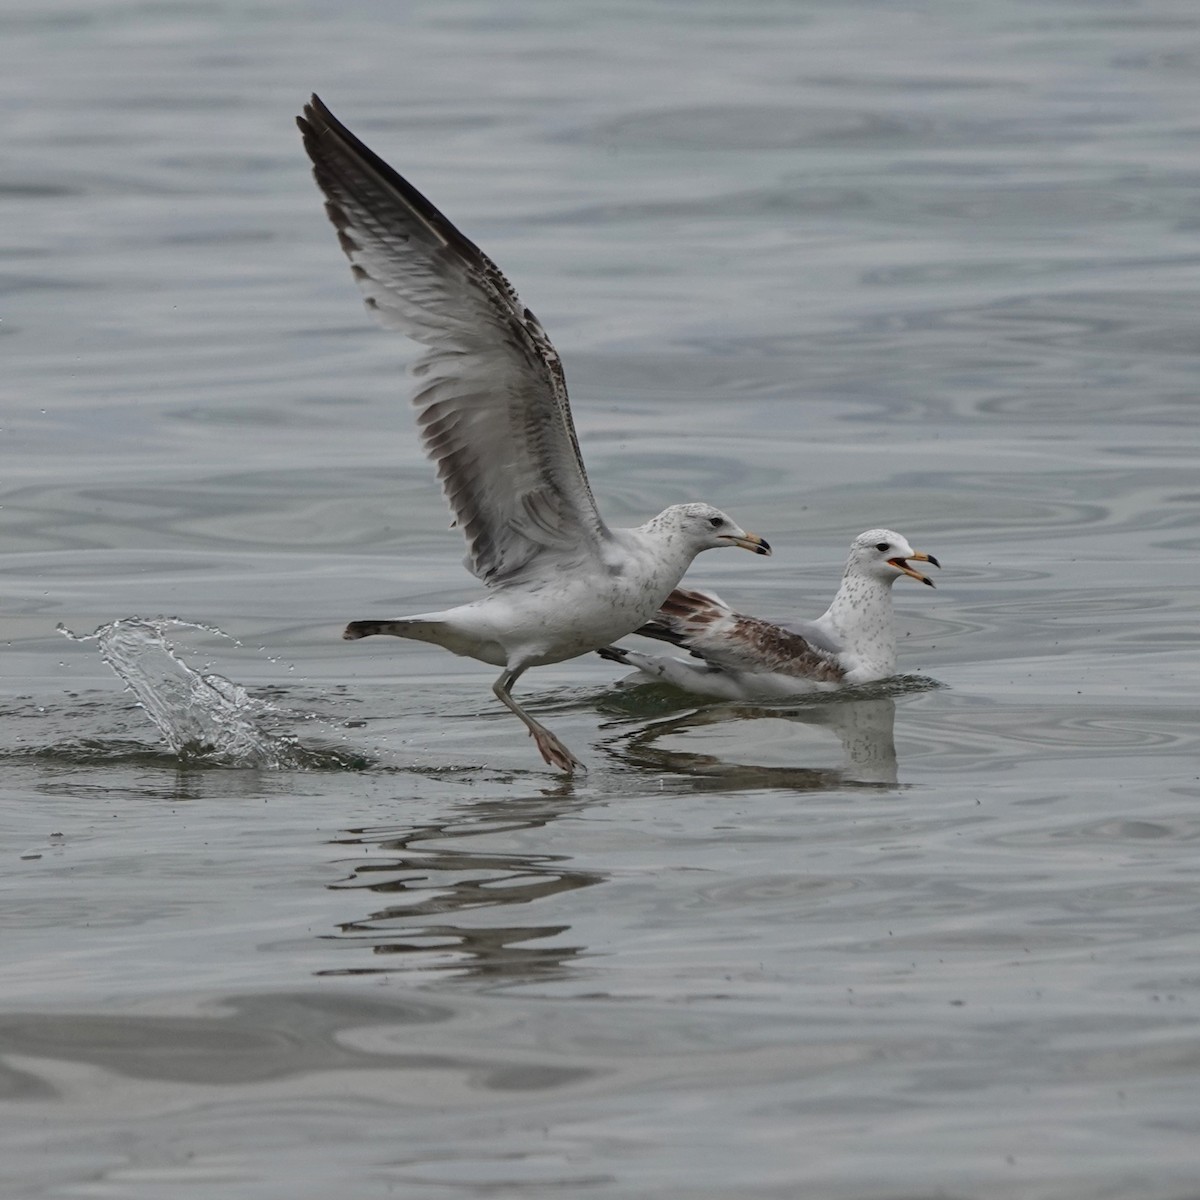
[[706, 528], [884, 555]]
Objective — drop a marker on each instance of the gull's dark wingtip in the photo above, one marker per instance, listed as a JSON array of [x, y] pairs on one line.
[[315, 118]]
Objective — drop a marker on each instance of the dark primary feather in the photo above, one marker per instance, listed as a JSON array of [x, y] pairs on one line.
[[614, 654], [492, 401]]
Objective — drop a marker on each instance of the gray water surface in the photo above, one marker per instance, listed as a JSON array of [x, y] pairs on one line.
[[829, 265]]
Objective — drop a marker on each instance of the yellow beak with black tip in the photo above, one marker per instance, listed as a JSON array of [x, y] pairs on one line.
[[750, 542], [901, 564]]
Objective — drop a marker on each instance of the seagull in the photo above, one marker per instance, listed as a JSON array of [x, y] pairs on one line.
[[494, 418], [736, 657]]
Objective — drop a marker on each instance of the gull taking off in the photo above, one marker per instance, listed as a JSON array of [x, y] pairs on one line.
[[737, 657], [493, 414]]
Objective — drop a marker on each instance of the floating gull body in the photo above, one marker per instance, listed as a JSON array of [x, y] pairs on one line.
[[493, 413], [737, 657]]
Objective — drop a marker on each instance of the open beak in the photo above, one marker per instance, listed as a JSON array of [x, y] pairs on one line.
[[901, 564], [751, 541]]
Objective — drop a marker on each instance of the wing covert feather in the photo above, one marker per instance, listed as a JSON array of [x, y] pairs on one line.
[[709, 629]]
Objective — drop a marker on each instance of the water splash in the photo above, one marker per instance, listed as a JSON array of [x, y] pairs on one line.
[[203, 717]]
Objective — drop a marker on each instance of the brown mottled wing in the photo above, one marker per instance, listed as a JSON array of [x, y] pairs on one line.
[[492, 402], [705, 626]]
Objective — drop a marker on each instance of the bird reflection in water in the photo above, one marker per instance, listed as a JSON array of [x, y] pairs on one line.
[[854, 747], [429, 885]]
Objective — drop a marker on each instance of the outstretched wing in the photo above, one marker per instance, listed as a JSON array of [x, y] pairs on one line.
[[705, 626], [492, 401]]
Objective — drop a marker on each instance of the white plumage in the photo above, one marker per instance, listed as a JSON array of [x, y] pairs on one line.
[[738, 657], [494, 417]]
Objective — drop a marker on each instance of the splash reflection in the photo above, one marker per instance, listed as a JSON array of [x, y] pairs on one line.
[[428, 884]]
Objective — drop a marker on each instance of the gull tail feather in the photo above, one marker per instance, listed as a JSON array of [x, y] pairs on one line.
[[414, 628]]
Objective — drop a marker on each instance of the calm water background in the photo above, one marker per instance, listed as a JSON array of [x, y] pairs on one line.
[[830, 265]]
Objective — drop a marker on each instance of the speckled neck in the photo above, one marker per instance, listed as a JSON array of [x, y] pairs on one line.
[[671, 546], [861, 614], [657, 554]]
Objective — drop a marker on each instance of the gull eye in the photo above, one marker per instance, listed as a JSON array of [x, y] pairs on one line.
[[716, 522], [883, 546]]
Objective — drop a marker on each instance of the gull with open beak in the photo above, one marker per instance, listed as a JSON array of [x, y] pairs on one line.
[[737, 657]]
